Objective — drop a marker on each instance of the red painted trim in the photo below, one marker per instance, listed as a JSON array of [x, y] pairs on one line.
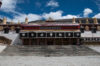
[[60, 27], [71, 27]]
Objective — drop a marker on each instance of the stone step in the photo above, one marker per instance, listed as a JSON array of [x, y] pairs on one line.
[[48, 51]]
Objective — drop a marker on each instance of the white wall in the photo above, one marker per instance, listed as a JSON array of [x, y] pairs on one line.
[[12, 36]]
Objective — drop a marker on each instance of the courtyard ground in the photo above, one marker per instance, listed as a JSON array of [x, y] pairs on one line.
[[13, 56]]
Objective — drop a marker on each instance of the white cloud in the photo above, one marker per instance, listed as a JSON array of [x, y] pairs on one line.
[[97, 2], [54, 15], [87, 11], [8, 5], [53, 3], [58, 15], [21, 17], [97, 15], [69, 16], [31, 17]]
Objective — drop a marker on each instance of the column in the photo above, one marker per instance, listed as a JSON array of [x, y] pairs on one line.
[[30, 41], [45, 41], [23, 41], [62, 41], [38, 41]]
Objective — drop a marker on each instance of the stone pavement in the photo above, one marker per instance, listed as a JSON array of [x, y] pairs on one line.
[[49, 56], [49, 61], [48, 51]]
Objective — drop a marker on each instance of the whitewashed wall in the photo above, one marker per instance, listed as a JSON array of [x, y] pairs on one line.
[[12, 36]]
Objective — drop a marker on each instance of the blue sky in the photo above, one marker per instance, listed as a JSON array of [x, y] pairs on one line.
[[18, 10]]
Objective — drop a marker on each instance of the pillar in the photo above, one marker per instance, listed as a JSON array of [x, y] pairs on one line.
[[30, 41], [45, 41], [77, 41], [62, 41], [37, 41], [22, 41]]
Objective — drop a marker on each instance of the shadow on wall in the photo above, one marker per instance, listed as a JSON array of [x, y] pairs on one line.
[[17, 41], [5, 40]]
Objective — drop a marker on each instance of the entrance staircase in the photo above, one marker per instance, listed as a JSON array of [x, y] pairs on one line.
[[54, 50]]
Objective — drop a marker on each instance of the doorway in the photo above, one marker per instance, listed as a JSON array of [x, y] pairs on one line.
[[50, 42]]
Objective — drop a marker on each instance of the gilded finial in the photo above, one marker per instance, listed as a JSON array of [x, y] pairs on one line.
[[11, 22], [80, 22], [26, 20], [50, 19], [4, 20], [95, 21], [87, 21], [73, 20], [18, 22]]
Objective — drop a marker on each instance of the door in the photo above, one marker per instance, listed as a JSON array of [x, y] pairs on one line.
[[74, 41], [50, 41]]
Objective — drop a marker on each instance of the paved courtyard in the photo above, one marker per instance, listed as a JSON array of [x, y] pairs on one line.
[[50, 61], [48, 51], [50, 56]]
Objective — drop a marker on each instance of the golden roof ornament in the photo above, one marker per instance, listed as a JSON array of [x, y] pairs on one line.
[[11, 22], [26, 20], [18, 22], [87, 21], [95, 21], [80, 22], [50, 19], [4, 20], [73, 20]]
